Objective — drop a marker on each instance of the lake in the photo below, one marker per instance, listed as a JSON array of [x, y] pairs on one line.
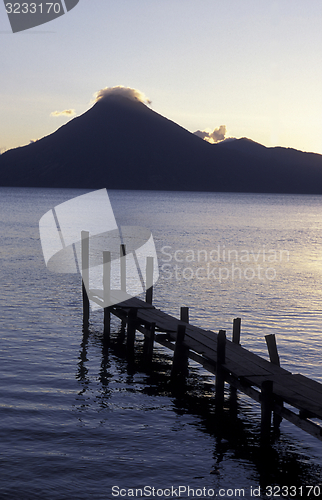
[[77, 422]]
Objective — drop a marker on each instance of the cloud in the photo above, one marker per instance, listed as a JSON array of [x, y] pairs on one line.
[[133, 94], [66, 112], [217, 135]]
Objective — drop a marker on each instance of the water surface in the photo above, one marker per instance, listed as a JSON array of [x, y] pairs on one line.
[[77, 420]]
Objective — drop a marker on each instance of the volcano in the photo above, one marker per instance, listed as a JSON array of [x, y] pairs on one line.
[[121, 143]]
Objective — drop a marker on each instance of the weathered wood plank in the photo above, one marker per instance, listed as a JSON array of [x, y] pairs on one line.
[[248, 370], [312, 384], [285, 389], [307, 426]]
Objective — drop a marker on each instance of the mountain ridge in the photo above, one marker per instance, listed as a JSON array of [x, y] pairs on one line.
[[120, 143]]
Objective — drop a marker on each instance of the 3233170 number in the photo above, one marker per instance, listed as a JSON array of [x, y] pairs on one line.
[[33, 8]]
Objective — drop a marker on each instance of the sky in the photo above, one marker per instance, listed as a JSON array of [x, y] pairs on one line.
[[251, 66]]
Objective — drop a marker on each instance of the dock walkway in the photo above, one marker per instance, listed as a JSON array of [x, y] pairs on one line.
[[293, 397], [264, 381]]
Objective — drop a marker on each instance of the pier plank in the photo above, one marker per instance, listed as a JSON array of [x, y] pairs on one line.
[[309, 383]]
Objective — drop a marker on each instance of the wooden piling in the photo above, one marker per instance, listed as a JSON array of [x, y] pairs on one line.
[[233, 390], [123, 283], [85, 276], [148, 345], [130, 334], [221, 356], [184, 314], [149, 280], [122, 333], [272, 349], [275, 359], [266, 399], [107, 293], [123, 267], [236, 331], [180, 356]]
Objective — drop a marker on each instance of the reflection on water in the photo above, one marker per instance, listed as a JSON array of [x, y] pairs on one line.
[[234, 435], [77, 419]]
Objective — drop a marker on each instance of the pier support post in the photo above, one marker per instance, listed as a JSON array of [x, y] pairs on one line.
[[107, 292], [272, 349], [184, 314], [122, 333], [149, 280], [236, 331], [85, 276], [275, 359], [220, 379], [266, 410], [123, 267], [131, 328], [123, 283], [148, 345], [180, 355], [233, 390]]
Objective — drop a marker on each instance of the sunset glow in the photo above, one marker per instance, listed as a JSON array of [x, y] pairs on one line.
[[250, 66]]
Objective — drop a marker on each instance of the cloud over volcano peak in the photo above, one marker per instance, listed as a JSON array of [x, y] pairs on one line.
[[128, 92]]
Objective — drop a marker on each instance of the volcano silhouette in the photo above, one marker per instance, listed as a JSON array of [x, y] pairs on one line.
[[122, 144]]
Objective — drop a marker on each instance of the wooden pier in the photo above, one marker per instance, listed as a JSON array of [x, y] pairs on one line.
[[280, 393]]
